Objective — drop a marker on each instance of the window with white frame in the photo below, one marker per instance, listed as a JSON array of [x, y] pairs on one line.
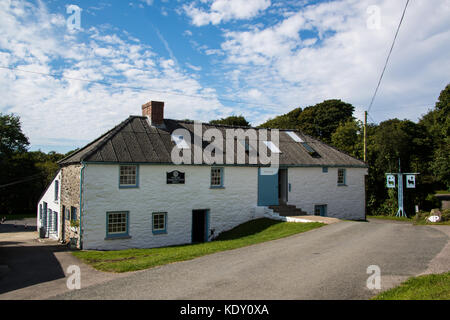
[[159, 222], [128, 176], [216, 177], [117, 223], [341, 177]]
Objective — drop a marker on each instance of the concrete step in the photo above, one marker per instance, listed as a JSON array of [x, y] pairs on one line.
[[287, 210]]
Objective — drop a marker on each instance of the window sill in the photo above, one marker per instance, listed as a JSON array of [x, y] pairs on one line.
[[128, 187], [159, 232], [216, 187], [342, 185], [117, 237]]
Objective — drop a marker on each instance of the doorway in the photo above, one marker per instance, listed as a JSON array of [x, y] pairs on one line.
[[200, 225], [283, 186]]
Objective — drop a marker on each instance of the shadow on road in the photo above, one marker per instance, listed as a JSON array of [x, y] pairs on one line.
[[23, 260], [28, 265]]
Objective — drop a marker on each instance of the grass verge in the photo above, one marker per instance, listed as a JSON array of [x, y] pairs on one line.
[[390, 218], [414, 221], [427, 287], [251, 232]]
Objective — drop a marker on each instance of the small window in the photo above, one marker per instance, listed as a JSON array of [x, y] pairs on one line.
[[216, 177], [320, 210], [313, 153], [40, 211], [159, 222], [128, 176], [341, 177], [273, 148], [73, 214], [324, 169], [117, 224], [55, 221], [56, 190]]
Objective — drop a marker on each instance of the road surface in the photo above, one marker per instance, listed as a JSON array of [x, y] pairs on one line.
[[327, 263]]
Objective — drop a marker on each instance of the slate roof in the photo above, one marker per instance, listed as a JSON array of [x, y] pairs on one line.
[[136, 141]]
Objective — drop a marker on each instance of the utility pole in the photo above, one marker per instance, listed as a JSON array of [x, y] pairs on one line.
[[365, 136], [410, 183]]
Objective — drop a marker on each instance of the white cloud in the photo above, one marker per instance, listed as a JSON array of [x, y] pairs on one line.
[[345, 58], [225, 10], [65, 113]]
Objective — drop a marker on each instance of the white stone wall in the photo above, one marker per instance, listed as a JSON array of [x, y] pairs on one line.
[[52, 204], [311, 186], [228, 207]]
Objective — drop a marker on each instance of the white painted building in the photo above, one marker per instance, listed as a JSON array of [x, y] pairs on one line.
[[126, 192], [49, 209]]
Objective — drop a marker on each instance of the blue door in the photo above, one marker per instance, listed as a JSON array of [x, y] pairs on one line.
[[267, 186]]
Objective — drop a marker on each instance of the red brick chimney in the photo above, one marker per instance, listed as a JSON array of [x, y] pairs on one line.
[[155, 111]]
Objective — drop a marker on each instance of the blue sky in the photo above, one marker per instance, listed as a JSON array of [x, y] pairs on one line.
[[208, 59]]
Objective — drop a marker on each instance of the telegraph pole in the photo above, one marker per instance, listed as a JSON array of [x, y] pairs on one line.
[[365, 136]]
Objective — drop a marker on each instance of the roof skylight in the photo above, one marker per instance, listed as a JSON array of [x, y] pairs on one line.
[[272, 146], [294, 137], [180, 142]]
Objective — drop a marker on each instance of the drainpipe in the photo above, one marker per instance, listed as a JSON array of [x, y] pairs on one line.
[[81, 199]]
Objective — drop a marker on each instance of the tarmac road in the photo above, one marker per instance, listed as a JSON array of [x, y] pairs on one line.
[[327, 263]]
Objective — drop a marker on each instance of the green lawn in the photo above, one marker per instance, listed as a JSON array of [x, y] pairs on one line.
[[416, 222], [390, 218], [428, 287], [251, 232]]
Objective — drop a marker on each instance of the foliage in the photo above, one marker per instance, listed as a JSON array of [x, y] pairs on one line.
[[426, 287], [24, 174], [232, 121], [251, 232], [320, 120]]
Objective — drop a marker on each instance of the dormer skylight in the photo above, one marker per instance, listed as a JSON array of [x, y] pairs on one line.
[[180, 142], [294, 137], [272, 146]]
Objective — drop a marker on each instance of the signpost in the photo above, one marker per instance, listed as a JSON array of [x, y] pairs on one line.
[[410, 183]]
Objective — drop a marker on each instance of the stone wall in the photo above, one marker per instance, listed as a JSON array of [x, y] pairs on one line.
[[70, 197]]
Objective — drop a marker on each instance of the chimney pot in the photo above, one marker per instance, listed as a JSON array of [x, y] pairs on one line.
[[154, 110]]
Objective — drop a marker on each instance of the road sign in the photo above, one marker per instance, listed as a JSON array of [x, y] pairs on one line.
[[390, 181], [410, 181]]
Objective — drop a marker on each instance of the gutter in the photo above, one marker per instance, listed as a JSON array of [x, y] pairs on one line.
[[81, 199]]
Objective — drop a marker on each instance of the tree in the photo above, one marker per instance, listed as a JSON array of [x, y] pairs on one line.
[[319, 121], [12, 138], [285, 121], [232, 121], [437, 124], [349, 137]]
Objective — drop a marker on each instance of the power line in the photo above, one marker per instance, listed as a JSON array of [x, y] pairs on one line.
[[136, 88], [33, 177], [389, 55]]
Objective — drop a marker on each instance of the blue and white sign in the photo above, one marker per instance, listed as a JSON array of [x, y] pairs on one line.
[[390, 181], [410, 181]]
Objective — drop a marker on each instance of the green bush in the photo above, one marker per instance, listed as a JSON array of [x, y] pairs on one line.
[[445, 215]]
